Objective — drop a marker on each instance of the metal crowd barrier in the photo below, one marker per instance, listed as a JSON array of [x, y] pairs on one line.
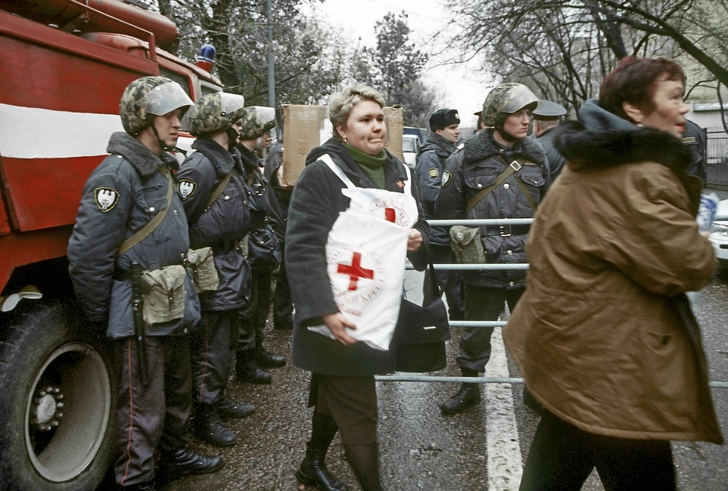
[[402, 377]]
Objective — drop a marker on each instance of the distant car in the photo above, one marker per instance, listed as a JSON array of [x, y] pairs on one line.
[[410, 147], [719, 234]]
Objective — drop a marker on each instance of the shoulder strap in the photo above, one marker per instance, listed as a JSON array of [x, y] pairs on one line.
[[218, 190], [522, 185], [153, 224], [326, 159], [510, 169]]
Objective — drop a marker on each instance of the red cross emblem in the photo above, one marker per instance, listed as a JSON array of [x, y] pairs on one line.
[[390, 214], [355, 271]]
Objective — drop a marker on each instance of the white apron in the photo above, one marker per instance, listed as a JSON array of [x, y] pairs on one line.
[[366, 252]]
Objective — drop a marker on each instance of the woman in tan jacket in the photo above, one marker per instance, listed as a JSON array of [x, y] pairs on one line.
[[603, 335]]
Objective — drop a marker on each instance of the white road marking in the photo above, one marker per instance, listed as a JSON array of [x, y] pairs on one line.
[[505, 465]]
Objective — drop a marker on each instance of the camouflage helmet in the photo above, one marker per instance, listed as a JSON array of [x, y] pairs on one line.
[[216, 112], [257, 121], [507, 98], [147, 97]]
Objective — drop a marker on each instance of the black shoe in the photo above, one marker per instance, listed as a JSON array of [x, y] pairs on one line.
[[246, 370], [468, 395], [183, 462], [313, 472], [210, 429], [227, 408], [266, 359], [253, 375]]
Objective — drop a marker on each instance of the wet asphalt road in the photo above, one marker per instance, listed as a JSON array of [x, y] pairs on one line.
[[420, 449]]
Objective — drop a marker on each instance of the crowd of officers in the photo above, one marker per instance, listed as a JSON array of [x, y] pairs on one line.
[[201, 243], [175, 263]]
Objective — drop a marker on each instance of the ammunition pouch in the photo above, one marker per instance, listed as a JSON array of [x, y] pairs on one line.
[[467, 245]]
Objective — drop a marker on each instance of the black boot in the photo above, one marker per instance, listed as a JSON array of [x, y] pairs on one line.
[[364, 460], [313, 469], [246, 370], [266, 359], [183, 462], [210, 429], [227, 408], [468, 395]]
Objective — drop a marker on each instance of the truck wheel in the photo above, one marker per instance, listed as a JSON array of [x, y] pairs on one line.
[[56, 402]]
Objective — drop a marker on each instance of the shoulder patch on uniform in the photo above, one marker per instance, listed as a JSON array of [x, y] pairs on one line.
[[187, 188], [688, 139], [446, 178], [461, 146], [434, 172], [106, 198]]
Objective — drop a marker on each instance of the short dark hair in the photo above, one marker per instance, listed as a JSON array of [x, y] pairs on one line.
[[633, 81]]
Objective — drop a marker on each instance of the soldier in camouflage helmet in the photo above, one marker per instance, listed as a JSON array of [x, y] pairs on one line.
[[256, 122], [217, 112], [498, 173], [215, 198], [115, 206], [505, 100], [251, 356], [148, 97]]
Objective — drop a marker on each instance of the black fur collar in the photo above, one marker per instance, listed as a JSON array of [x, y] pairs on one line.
[[482, 146], [584, 148], [138, 155], [221, 159]]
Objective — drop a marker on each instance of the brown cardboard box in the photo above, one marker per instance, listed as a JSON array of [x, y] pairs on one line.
[[393, 118], [303, 128]]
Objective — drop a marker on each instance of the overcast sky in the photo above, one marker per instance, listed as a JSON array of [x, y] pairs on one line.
[[460, 86]]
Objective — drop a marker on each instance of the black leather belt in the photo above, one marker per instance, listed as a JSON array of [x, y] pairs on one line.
[[505, 230]]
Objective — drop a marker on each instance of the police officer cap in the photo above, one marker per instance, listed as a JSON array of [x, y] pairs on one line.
[[442, 118], [548, 110]]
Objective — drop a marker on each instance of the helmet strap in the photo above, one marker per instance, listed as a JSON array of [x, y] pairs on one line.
[[161, 142], [505, 135], [233, 136]]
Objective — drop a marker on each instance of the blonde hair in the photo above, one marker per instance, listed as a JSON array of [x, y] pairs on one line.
[[341, 104]]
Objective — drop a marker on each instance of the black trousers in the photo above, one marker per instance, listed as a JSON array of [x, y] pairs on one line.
[[152, 416], [254, 315], [562, 456], [211, 355], [482, 304]]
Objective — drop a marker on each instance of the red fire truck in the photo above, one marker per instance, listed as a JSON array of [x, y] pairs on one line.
[[65, 64]]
